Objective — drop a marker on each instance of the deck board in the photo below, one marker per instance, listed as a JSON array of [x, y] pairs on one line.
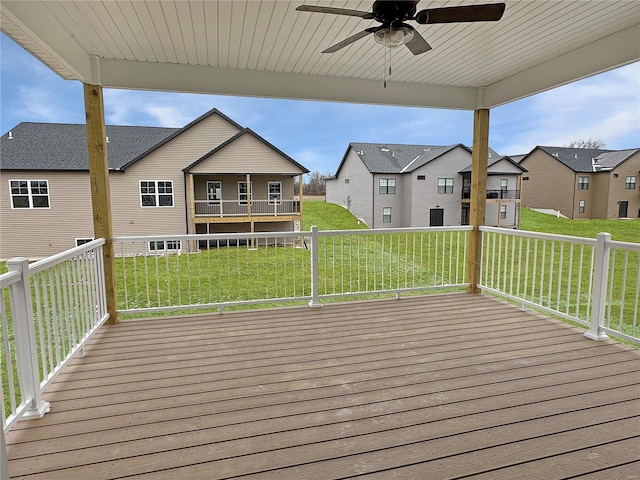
[[440, 386]]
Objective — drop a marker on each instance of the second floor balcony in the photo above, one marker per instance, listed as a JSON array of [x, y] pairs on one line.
[[494, 194]]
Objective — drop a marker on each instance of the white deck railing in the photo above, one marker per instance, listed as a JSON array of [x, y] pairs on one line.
[[208, 271], [234, 208], [594, 282], [48, 310]]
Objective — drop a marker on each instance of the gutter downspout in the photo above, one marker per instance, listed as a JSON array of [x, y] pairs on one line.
[[573, 201], [373, 200]]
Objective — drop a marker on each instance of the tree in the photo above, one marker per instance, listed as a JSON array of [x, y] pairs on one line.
[[315, 186], [593, 144]]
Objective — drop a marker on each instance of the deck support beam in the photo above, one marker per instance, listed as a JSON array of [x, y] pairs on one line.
[[478, 201], [100, 190]]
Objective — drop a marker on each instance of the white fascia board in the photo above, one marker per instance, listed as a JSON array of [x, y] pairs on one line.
[[53, 45], [227, 81], [616, 50]]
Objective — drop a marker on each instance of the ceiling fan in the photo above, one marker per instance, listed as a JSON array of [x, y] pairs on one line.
[[392, 14]]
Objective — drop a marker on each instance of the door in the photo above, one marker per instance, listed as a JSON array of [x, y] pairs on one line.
[[465, 215], [214, 192], [622, 209], [436, 217]]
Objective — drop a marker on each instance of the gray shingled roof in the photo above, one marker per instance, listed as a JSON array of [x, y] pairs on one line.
[[63, 147], [587, 159], [611, 160], [400, 158], [492, 161]]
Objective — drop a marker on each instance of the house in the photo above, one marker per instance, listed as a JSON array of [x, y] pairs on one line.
[[210, 176], [583, 183], [391, 185]]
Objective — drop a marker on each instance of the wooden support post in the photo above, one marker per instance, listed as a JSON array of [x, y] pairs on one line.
[[100, 191], [300, 198], [479, 161]]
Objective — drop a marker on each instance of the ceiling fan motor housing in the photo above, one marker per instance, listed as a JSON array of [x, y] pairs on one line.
[[389, 13]]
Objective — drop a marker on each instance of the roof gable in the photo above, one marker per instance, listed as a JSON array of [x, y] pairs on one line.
[[500, 166], [235, 141]]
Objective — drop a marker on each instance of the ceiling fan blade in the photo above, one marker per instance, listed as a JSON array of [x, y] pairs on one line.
[[350, 40], [334, 10], [490, 12], [418, 44]]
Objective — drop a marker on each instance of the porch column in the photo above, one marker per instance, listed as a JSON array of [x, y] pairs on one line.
[[300, 197], [100, 191], [192, 204], [478, 201]]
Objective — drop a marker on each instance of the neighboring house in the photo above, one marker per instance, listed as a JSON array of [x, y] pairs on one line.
[[583, 183], [210, 176], [421, 185]]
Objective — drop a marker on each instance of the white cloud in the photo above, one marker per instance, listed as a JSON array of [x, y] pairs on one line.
[[604, 107]]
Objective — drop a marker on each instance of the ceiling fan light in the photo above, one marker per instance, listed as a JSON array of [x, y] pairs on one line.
[[394, 36]]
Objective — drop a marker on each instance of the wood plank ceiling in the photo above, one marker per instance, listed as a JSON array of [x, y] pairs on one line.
[[267, 48]]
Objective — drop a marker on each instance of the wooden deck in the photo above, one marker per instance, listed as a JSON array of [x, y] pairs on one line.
[[440, 386]]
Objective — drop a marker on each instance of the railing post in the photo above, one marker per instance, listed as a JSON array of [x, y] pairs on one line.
[[25, 340], [4, 462], [600, 282], [315, 298]]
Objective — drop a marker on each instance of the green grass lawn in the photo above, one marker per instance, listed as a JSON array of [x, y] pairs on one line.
[[620, 230], [328, 216]]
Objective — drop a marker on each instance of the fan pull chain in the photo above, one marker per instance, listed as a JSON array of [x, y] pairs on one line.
[[384, 72]]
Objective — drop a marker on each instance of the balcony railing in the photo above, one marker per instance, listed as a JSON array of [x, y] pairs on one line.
[[234, 208], [495, 194]]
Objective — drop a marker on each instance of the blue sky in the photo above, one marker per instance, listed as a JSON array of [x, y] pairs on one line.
[[316, 134]]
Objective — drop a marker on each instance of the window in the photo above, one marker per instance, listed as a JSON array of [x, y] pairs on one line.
[[164, 246], [503, 184], [82, 241], [422, 177], [630, 183], [503, 211], [386, 214], [524, 179], [243, 193], [214, 192], [387, 186], [156, 193], [583, 183], [445, 185], [275, 193], [29, 193], [466, 188], [581, 206]]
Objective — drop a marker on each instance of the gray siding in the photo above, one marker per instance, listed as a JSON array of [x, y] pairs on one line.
[[387, 200], [425, 194], [359, 188]]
